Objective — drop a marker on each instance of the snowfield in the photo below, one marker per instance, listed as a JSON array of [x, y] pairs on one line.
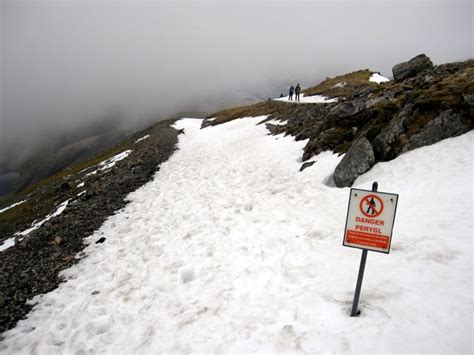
[[232, 249], [315, 99], [377, 78]]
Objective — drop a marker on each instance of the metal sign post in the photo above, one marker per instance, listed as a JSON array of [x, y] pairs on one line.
[[369, 226], [360, 277]]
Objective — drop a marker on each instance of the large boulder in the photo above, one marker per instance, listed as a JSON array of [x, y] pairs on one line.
[[446, 124], [358, 159], [383, 144], [347, 108], [409, 69]]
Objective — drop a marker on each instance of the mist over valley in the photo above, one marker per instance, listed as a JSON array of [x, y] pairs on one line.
[[78, 76]]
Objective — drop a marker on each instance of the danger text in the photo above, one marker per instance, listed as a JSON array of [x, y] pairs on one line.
[[377, 222]]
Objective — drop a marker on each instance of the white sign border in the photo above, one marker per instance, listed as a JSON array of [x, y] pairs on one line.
[[347, 218]]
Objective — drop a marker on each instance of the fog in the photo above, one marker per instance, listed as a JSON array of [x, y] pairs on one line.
[[67, 64]]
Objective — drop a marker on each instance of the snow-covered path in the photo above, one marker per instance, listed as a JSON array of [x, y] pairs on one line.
[[232, 249]]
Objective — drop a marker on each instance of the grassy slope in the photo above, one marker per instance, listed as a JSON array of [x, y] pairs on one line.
[[354, 81], [43, 196]]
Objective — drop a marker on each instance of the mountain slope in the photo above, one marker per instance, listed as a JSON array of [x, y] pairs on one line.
[[231, 249], [232, 246], [42, 230], [371, 122]]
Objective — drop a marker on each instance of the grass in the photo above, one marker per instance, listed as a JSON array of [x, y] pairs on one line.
[[354, 81], [447, 93], [42, 197], [259, 109]]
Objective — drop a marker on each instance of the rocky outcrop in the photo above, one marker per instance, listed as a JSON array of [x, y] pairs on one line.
[[373, 123], [447, 124], [384, 142], [358, 159], [411, 68], [347, 108]]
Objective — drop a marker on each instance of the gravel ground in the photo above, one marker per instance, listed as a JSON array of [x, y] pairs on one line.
[[33, 265]]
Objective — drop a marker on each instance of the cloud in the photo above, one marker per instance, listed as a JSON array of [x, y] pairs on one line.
[[66, 64]]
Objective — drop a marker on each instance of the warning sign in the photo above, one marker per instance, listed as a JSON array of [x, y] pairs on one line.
[[370, 218], [371, 206]]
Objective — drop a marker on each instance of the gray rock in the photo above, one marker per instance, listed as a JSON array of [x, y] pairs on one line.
[[408, 69], [383, 142], [447, 124], [469, 99], [372, 102], [358, 159], [207, 122], [428, 79], [306, 165], [347, 108]]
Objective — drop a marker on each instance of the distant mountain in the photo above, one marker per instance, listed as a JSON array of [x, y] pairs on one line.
[[70, 154]]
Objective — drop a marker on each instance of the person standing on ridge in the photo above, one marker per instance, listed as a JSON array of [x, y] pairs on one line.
[[297, 92], [290, 96]]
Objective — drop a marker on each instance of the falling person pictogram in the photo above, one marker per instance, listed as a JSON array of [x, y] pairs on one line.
[[371, 206]]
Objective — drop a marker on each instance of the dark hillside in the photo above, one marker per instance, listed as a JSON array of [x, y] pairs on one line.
[[32, 266]]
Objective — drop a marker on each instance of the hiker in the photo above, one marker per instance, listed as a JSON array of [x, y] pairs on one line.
[[290, 96], [297, 92]]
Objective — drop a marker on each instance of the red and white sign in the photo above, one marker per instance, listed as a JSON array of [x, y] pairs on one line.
[[370, 218]]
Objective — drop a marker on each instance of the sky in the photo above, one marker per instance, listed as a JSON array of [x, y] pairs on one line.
[[67, 64]]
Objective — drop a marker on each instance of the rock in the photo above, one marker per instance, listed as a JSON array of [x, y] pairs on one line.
[[65, 185], [408, 69], [469, 99], [447, 124], [307, 165], [57, 240], [207, 122], [428, 79], [101, 240], [347, 108], [358, 159], [383, 142], [363, 91]]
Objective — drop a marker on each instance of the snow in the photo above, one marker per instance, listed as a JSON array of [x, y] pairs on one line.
[[36, 225], [377, 78], [10, 242], [315, 99], [91, 173], [80, 185], [11, 206], [142, 138], [277, 122], [339, 85], [107, 164], [231, 249]]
